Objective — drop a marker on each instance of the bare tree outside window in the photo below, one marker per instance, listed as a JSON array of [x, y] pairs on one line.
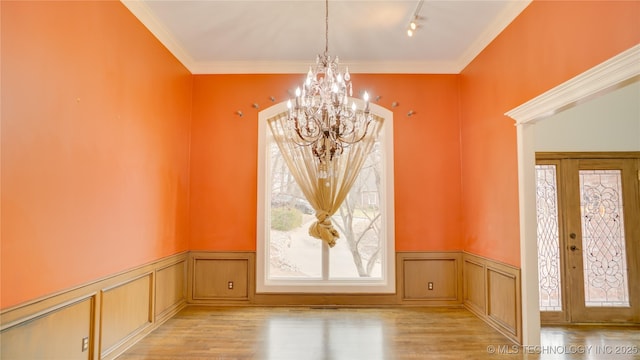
[[359, 220]]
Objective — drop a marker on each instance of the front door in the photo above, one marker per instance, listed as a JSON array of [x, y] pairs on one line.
[[598, 238]]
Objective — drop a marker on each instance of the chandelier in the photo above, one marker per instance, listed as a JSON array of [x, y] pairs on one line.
[[321, 116]]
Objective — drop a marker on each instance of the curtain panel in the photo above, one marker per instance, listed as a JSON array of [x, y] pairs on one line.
[[324, 187]]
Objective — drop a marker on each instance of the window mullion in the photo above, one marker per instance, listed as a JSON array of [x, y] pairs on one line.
[[325, 261]]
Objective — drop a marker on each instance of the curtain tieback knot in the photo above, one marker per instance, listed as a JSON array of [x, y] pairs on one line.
[[323, 229]]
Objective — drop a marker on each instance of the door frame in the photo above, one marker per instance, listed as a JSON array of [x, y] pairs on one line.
[[611, 74]]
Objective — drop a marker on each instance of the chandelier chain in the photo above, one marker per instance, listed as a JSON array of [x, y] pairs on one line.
[[326, 27]]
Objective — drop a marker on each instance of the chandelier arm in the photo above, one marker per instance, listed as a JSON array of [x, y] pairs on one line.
[[301, 141], [364, 133], [346, 125], [306, 138], [312, 112], [308, 134]]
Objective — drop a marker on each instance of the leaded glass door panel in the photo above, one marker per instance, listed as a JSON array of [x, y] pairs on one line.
[[602, 239], [551, 263]]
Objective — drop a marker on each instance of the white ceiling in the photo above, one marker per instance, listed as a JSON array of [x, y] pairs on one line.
[[369, 36]]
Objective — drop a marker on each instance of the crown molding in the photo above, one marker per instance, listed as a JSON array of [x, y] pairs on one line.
[[140, 10], [513, 9], [616, 71], [289, 67]]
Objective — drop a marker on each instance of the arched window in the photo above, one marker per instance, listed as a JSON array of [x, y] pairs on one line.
[[290, 260]]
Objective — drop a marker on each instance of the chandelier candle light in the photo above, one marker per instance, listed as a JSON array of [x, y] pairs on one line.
[[321, 116]]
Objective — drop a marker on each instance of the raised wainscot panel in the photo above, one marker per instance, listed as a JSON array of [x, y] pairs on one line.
[[126, 311], [431, 277], [502, 299], [56, 334], [492, 291], [171, 288], [220, 278], [105, 316], [474, 286]]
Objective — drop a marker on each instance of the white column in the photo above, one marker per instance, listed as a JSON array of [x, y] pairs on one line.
[[528, 235]]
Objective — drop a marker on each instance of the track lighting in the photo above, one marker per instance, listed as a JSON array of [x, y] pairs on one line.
[[413, 24]]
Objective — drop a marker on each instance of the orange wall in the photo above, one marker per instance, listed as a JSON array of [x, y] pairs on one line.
[[224, 157], [549, 43], [95, 146], [97, 118]]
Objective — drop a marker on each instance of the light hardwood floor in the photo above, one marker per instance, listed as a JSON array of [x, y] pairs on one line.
[[276, 333]]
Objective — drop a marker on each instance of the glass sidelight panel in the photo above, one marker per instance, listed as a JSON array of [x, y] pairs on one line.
[[548, 238], [603, 239]]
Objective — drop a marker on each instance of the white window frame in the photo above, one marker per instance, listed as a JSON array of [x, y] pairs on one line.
[[387, 282]]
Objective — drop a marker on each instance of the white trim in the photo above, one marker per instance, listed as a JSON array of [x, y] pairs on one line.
[[361, 67], [510, 12], [140, 10], [385, 285], [607, 75], [529, 289], [620, 68]]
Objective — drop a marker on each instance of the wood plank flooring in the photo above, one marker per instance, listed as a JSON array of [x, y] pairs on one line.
[[275, 333]]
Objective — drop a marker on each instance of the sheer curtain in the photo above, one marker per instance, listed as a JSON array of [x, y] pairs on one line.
[[326, 187]]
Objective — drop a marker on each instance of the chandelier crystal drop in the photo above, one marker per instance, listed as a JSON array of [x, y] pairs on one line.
[[321, 116]]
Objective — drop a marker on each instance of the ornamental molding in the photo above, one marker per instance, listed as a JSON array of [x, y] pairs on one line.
[[609, 75]]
